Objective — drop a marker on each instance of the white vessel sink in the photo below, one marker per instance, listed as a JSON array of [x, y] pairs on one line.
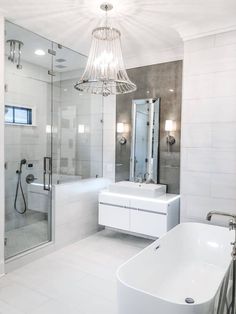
[[138, 189]]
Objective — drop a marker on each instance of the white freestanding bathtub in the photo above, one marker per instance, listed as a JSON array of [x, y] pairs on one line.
[[188, 264]]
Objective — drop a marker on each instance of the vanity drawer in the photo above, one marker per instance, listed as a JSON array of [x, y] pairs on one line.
[[112, 216], [151, 224], [114, 199], [149, 205]]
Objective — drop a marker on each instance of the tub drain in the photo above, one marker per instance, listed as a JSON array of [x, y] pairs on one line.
[[189, 300]]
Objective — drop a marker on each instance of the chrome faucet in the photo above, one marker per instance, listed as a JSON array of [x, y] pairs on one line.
[[214, 212], [232, 226]]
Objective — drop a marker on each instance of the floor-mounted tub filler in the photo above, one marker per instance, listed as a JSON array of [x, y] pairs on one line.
[[180, 273]]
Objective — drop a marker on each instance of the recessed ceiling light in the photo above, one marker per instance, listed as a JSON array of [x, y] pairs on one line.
[[40, 52], [60, 66], [171, 90], [60, 60]]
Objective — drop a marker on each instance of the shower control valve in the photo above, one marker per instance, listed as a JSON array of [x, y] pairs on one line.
[[234, 253], [232, 224]]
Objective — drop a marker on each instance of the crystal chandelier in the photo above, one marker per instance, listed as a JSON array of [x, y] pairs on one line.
[[105, 72]]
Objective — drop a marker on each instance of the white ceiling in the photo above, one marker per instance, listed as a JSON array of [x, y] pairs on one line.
[[34, 42], [152, 30]]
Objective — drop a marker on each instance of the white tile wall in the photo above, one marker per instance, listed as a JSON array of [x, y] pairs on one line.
[[208, 169]]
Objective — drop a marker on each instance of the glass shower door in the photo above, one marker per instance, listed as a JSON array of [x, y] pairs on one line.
[[28, 140]]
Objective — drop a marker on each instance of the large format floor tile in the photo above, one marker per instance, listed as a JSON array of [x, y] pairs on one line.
[[80, 278]]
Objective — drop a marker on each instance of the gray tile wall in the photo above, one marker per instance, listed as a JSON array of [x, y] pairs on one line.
[[154, 81]]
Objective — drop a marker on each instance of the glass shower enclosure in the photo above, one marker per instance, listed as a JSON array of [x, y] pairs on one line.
[[28, 139], [53, 134]]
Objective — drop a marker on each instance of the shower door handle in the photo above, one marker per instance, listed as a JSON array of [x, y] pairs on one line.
[[47, 171]]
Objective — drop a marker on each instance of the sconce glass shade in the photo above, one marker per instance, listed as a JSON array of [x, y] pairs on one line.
[[120, 127], [105, 73], [170, 125], [81, 128]]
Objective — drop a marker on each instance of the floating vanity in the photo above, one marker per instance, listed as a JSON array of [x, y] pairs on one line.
[[139, 208]]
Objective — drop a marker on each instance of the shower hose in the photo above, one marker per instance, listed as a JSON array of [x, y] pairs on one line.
[[20, 189]]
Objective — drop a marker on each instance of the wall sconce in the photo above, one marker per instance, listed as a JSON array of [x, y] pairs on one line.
[[81, 128], [51, 129], [170, 126], [122, 128], [48, 129]]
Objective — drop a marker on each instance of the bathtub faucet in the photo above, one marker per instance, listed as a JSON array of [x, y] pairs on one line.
[[232, 226], [212, 213]]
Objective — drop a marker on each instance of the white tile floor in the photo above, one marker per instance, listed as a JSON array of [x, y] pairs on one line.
[[25, 238], [78, 279]]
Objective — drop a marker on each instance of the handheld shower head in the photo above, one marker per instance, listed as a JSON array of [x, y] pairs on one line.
[[23, 161]]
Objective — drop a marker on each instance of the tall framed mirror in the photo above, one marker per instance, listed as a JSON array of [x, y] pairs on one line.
[[144, 157], [161, 82]]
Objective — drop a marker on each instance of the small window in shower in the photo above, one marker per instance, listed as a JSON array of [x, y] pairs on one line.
[[18, 115]]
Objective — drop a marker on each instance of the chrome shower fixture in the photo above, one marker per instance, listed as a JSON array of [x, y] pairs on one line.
[[15, 52]]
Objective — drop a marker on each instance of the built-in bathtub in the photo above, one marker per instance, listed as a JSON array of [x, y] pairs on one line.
[[181, 273], [37, 197], [74, 204]]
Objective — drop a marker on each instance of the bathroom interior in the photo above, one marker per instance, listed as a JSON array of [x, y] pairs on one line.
[[118, 157]]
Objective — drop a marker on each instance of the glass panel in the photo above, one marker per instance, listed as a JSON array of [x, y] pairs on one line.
[[8, 114], [21, 115], [28, 100], [78, 120]]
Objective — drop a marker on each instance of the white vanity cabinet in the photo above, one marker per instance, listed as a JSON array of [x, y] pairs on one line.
[[145, 216]]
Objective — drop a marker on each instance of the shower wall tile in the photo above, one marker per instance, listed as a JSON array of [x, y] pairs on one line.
[[82, 110], [208, 158], [30, 86]]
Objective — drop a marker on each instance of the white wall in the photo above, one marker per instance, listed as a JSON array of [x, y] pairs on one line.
[[2, 110], [208, 152]]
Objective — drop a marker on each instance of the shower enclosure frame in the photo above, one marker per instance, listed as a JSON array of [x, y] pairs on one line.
[[47, 162], [62, 108]]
